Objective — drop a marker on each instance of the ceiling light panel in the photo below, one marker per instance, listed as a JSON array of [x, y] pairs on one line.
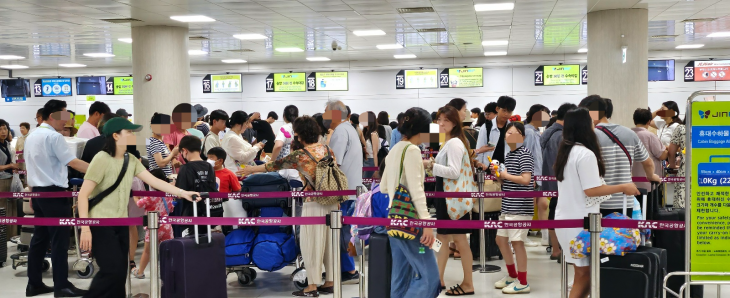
[[72, 65], [389, 46], [316, 59], [368, 32], [250, 36], [494, 6], [192, 19], [689, 46], [99, 55], [127, 40], [233, 61], [289, 50], [495, 53], [196, 52], [11, 57], [404, 56], [13, 66], [719, 34]]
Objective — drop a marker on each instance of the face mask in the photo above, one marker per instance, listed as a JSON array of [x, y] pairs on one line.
[[211, 162]]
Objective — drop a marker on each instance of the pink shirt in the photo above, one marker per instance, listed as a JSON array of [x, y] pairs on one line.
[[655, 148], [174, 139], [87, 131]]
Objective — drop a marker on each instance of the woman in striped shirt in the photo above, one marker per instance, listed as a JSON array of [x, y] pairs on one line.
[[158, 155]]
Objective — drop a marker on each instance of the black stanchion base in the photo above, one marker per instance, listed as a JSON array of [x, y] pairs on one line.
[[487, 268]]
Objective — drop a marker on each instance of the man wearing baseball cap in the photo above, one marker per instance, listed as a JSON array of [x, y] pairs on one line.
[[123, 113]]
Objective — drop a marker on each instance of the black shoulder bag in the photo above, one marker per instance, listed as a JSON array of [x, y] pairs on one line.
[[96, 200]]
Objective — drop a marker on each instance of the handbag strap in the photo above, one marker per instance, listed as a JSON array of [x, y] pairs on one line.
[[402, 158], [616, 140], [96, 200]]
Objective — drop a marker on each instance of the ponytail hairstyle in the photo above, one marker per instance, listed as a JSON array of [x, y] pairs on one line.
[[452, 114], [237, 118], [672, 105], [291, 112], [578, 130]]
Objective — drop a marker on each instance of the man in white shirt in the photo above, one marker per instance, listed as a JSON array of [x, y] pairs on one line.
[[218, 119], [89, 129], [47, 157]]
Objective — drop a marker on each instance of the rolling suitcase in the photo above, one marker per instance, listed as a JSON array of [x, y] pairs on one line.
[[491, 242], [379, 266], [265, 182], [194, 266], [673, 242], [649, 261]]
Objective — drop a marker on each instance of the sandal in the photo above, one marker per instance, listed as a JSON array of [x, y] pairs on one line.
[[302, 293], [326, 290], [458, 291], [132, 265], [136, 274]]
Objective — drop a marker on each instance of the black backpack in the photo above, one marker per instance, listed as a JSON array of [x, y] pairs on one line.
[[383, 151]]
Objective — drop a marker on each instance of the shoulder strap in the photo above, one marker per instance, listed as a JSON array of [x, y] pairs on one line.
[[615, 139], [402, 158], [93, 202]]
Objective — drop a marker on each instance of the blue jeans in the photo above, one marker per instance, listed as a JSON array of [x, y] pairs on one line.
[[368, 162], [414, 274], [347, 263]]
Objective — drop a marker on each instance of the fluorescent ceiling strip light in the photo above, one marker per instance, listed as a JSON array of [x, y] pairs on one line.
[[99, 55], [494, 6], [405, 56], [233, 61], [318, 59], [251, 36], [192, 19], [690, 46], [389, 46], [13, 66], [368, 32], [72, 65], [719, 34], [127, 40], [11, 57], [583, 50], [496, 53]]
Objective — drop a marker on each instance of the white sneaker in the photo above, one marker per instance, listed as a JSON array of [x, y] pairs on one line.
[[516, 288], [530, 243], [504, 282]]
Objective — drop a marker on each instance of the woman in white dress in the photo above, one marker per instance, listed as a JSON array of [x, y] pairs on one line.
[[579, 168], [669, 112]]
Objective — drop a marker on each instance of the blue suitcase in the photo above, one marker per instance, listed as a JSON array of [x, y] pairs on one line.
[[265, 182]]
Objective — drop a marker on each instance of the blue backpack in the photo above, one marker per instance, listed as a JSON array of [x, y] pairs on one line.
[[238, 246], [272, 252]]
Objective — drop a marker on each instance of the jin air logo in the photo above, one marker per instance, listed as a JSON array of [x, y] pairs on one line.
[[704, 114], [707, 114]]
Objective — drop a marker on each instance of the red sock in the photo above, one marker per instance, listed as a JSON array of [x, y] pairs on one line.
[[511, 270], [522, 276]]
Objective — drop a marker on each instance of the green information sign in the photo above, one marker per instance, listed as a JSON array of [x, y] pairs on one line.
[[710, 174], [562, 75], [123, 86], [290, 82]]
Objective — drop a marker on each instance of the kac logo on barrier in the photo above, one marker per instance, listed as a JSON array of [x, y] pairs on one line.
[[399, 222], [491, 225], [551, 194], [67, 221], [246, 221], [163, 220], [648, 225]]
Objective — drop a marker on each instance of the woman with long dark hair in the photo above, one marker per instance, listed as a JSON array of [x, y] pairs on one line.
[[579, 169], [669, 112], [453, 171], [375, 136], [110, 245], [384, 121]]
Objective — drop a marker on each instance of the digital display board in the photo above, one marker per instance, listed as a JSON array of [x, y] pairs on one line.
[[661, 70], [553, 75], [91, 85], [417, 79], [328, 81], [286, 82], [52, 87], [119, 86], [15, 89], [702, 71], [461, 77], [225, 83]]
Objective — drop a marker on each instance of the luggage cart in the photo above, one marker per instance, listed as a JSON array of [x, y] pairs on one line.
[[84, 265]]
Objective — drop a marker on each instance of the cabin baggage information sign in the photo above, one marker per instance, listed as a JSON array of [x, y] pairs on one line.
[[710, 188]]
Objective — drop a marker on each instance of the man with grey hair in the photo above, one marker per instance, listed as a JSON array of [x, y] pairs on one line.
[[345, 144]]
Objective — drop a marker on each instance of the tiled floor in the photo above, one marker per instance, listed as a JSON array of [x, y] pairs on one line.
[[543, 276]]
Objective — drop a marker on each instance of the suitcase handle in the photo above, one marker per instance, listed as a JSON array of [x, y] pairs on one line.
[[195, 214]]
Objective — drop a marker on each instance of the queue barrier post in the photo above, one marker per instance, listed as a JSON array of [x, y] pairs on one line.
[[361, 286], [153, 224], [482, 232], [595, 229], [335, 224], [563, 276]]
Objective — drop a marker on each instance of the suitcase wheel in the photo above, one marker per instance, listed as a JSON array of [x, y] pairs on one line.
[[46, 266], [246, 276], [299, 278], [87, 272]]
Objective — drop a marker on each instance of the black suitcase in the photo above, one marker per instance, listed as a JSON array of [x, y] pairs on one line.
[[634, 283], [650, 261], [491, 242], [673, 242], [380, 263], [265, 182]]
